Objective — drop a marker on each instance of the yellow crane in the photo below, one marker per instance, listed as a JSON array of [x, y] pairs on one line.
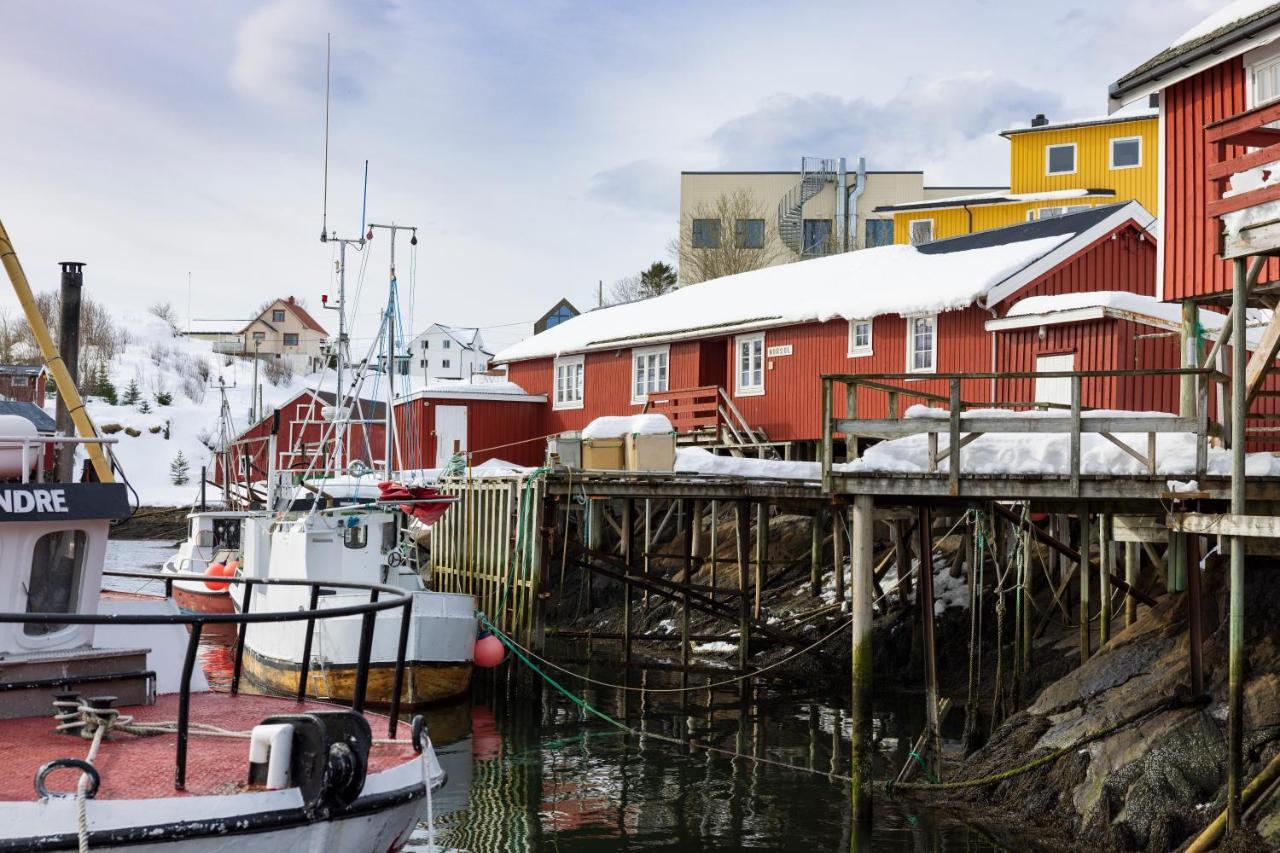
[[53, 359]]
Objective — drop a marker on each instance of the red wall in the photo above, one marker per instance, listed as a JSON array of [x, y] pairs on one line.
[[512, 430], [1192, 267], [1125, 259]]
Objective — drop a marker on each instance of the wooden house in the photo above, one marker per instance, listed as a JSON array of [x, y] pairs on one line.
[[745, 352], [486, 419], [23, 383]]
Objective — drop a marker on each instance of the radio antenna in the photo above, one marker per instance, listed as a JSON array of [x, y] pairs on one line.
[[324, 216]]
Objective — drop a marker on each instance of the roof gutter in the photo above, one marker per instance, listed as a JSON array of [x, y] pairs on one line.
[[1124, 86]]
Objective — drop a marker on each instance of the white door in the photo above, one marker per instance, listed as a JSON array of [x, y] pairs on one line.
[[451, 432], [1054, 390]]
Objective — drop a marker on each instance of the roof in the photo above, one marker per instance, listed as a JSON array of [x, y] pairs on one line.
[[370, 410], [981, 199], [215, 327], [31, 412], [1146, 114], [478, 387], [301, 313], [904, 280], [1229, 32], [794, 172], [21, 369]]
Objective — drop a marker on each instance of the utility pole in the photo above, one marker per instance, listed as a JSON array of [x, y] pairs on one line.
[[253, 393]]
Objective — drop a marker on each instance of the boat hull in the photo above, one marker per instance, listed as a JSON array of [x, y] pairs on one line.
[[425, 682], [202, 602]]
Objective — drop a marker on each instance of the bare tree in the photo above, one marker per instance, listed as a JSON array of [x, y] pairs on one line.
[[725, 237], [164, 311]]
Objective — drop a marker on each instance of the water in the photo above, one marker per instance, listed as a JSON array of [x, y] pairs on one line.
[[530, 770]]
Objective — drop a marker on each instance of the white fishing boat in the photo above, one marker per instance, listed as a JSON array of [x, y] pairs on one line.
[[213, 547]]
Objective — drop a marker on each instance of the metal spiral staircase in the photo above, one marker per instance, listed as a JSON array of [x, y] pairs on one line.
[[815, 173]]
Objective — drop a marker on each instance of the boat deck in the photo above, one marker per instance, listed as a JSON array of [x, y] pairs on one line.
[[135, 767]]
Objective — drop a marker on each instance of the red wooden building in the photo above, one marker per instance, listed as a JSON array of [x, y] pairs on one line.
[[487, 420], [757, 342], [23, 383]]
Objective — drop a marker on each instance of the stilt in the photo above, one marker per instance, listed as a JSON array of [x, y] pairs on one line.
[[1195, 629], [1086, 541], [715, 544], [1235, 637], [1131, 565], [969, 543], [902, 558], [684, 606], [837, 548], [744, 608], [861, 543], [762, 553], [1105, 559], [628, 557], [815, 553], [930, 656], [1028, 594], [648, 546]]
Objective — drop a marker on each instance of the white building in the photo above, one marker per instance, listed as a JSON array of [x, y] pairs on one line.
[[448, 352]]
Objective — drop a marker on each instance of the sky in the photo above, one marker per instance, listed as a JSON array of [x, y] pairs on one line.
[[536, 145]]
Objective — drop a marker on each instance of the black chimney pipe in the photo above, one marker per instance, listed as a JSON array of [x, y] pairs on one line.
[[69, 349], [1039, 120]]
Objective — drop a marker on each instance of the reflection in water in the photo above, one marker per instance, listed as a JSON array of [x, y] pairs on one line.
[[547, 776]]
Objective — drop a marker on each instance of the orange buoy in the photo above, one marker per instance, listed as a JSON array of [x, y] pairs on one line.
[[489, 651], [218, 570]]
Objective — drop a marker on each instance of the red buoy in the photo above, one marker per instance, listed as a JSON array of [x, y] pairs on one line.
[[218, 570], [489, 651]]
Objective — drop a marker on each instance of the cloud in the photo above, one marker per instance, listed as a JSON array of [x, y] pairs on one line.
[[279, 57], [933, 124], [651, 185]]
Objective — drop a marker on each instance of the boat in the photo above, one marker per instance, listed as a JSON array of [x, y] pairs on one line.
[[213, 542]]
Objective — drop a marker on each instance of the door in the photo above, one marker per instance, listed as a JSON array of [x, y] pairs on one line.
[[451, 432], [1052, 390]]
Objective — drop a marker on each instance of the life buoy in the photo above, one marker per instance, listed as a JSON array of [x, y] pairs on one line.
[[218, 570]]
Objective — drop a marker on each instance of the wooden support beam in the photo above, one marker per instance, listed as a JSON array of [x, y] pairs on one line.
[[1106, 558], [1086, 539], [1225, 524], [837, 547], [762, 554], [1139, 528], [1262, 360], [930, 652], [861, 543], [1131, 566], [684, 609], [1195, 627], [744, 621], [816, 539], [628, 560]]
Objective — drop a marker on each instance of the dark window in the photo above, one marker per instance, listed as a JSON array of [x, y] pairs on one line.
[[388, 536], [879, 232], [1060, 159], [446, 343], [356, 537], [422, 363], [259, 336], [277, 316], [817, 236], [290, 339], [706, 233], [444, 363], [1126, 153], [749, 233], [558, 316], [56, 569]]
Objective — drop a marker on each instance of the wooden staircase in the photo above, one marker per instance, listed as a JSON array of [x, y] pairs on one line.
[[707, 417]]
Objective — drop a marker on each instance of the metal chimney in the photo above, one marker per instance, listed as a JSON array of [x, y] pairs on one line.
[[69, 349], [1039, 120]]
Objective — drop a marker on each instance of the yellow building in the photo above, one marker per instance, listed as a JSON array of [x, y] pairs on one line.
[[1053, 169]]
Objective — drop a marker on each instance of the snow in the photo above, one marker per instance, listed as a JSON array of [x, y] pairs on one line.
[[854, 285], [698, 460], [1050, 453], [617, 426], [1246, 181], [478, 384], [1227, 15], [1127, 114], [366, 487], [1000, 195], [715, 648]]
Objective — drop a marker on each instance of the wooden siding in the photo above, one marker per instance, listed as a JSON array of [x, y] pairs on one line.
[[1124, 259], [1192, 268], [511, 430], [1093, 162]]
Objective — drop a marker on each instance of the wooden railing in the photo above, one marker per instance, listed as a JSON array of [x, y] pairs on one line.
[[1238, 144], [690, 410], [963, 429]]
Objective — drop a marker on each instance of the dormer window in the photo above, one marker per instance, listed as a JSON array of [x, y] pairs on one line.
[[1060, 159]]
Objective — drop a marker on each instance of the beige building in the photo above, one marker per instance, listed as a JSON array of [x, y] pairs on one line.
[[285, 329], [821, 209]]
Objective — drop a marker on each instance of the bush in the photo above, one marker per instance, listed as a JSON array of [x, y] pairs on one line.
[[203, 371], [110, 429], [131, 432], [155, 430], [164, 398], [132, 394], [179, 470], [193, 388], [278, 370], [144, 407]]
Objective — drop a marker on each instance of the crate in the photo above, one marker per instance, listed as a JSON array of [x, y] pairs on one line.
[[651, 452], [567, 446], [603, 454]]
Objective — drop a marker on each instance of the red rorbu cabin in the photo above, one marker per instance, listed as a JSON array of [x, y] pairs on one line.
[[740, 357], [487, 420]]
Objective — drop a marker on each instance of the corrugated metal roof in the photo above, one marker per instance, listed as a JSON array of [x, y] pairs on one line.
[[1058, 226], [31, 412], [21, 369]]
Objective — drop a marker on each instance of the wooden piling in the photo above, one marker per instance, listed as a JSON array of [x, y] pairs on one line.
[[1105, 557], [930, 653], [837, 548], [815, 553], [902, 559], [1195, 628], [684, 604], [628, 558], [762, 553], [715, 544], [1235, 631], [743, 527], [1131, 566], [1028, 594], [1086, 541], [861, 545]]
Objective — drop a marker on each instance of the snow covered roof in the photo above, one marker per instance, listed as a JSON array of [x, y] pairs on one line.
[[290, 304], [1003, 197], [466, 336], [478, 387], [21, 369], [215, 327], [1144, 114], [939, 276], [1228, 32]]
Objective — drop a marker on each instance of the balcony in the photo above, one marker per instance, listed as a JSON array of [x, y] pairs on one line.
[[1244, 150]]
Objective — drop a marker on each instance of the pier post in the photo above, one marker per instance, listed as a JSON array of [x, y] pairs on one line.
[[1235, 636], [815, 553], [1195, 628], [1104, 579], [902, 558], [689, 550], [743, 528], [1028, 594], [628, 557], [715, 544], [762, 553], [1131, 558], [837, 549], [1086, 540], [861, 542], [934, 739]]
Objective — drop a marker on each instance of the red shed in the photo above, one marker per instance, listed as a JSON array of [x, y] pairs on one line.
[[490, 420], [23, 383], [750, 348]]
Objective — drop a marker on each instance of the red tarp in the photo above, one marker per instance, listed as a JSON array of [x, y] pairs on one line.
[[427, 513]]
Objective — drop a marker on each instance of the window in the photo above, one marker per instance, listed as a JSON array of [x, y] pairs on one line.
[[749, 233], [558, 316], [706, 233], [859, 338], [922, 344], [290, 339], [277, 316], [446, 343], [1126, 153], [389, 536], [422, 362], [444, 363], [750, 376], [817, 236], [1262, 81], [355, 537], [648, 372], [1060, 159], [568, 384], [57, 566], [259, 336], [426, 345], [879, 233], [921, 232], [1051, 212]]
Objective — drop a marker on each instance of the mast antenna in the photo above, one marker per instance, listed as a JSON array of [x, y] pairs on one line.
[[324, 215]]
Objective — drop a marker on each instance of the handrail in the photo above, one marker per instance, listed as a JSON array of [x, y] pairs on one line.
[[196, 621]]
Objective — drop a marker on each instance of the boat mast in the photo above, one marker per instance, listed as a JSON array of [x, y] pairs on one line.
[[391, 321]]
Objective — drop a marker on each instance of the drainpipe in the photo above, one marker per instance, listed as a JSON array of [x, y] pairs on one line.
[[842, 208], [851, 207]]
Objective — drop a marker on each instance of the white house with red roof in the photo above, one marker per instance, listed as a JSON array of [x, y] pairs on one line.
[[285, 329]]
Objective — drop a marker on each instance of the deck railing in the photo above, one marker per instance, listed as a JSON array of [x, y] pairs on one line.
[[962, 429], [691, 410], [1238, 144]]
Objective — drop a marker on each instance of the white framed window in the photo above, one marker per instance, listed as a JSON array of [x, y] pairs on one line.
[[921, 231], [749, 361], [1060, 159], [1126, 152], [648, 372], [922, 344], [568, 383], [859, 338], [1262, 75]]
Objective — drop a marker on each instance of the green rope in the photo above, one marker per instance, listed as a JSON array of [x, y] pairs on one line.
[[924, 767], [521, 553]]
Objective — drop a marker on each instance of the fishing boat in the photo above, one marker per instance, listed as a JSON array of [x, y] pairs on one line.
[[213, 547]]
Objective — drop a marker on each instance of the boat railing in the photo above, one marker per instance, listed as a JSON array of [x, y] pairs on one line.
[[382, 597], [38, 443]]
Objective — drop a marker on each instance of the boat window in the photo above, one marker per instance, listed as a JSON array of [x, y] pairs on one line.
[[57, 568], [204, 539], [356, 537], [388, 536]]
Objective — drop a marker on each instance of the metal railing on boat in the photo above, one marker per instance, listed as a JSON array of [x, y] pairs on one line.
[[196, 621]]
